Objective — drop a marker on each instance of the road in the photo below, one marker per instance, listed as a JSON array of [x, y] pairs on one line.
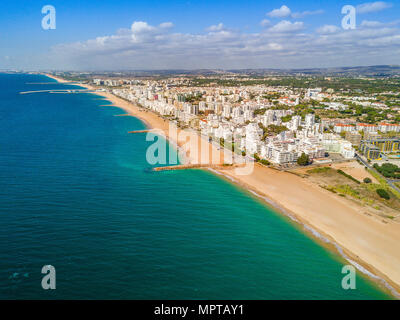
[[390, 182]]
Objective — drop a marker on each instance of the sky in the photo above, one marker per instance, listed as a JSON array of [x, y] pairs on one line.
[[201, 34]]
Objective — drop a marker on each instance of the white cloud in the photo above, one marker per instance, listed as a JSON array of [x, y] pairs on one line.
[[284, 44], [140, 27], [217, 27], [282, 12], [328, 29], [378, 24], [370, 24], [298, 15], [166, 25], [287, 26], [373, 6], [265, 22], [275, 46]]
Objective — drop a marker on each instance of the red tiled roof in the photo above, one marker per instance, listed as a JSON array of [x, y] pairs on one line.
[[366, 125]]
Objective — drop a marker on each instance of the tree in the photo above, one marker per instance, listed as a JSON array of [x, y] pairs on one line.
[[383, 194], [303, 160], [367, 180], [286, 118], [265, 162]]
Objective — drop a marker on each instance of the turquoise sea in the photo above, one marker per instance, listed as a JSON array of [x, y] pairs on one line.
[[76, 192]]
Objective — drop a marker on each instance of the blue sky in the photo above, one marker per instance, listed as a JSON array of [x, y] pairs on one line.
[[118, 34]]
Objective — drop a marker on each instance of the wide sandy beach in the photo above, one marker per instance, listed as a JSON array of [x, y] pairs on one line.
[[371, 242]]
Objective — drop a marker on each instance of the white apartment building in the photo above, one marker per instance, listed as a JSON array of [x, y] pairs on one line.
[[340, 127], [227, 110], [367, 127], [313, 93], [310, 120], [295, 123], [388, 127], [334, 144]]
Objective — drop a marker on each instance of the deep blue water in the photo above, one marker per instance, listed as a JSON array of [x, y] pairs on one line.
[[76, 192]]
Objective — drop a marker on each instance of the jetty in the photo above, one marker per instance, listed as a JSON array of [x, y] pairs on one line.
[[60, 91], [72, 82], [198, 166], [141, 131]]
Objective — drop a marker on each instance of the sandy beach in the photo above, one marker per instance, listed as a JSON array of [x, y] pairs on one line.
[[372, 242]]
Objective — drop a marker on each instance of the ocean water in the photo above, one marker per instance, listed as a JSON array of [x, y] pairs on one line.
[[76, 192]]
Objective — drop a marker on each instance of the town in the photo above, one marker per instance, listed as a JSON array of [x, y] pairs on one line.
[[278, 125], [288, 122]]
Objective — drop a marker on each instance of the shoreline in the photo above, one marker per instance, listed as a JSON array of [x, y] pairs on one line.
[[188, 152], [315, 210], [135, 111], [372, 274]]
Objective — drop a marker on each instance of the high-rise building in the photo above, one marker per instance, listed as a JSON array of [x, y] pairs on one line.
[[195, 109], [310, 120]]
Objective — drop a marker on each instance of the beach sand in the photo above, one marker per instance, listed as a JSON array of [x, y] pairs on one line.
[[372, 242]]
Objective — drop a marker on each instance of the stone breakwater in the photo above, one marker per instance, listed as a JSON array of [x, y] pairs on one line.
[[198, 166]]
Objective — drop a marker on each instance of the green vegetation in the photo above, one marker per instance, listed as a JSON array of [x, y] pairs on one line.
[[383, 194], [329, 188], [259, 111], [320, 170], [343, 84], [271, 130], [303, 160], [193, 98], [365, 114], [286, 118], [383, 183], [265, 162], [347, 190], [348, 176], [367, 180], [388, 170], [262, 161], [367, 194]]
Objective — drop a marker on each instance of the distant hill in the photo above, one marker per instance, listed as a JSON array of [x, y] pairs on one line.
[[365, 71], [369, 71]]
